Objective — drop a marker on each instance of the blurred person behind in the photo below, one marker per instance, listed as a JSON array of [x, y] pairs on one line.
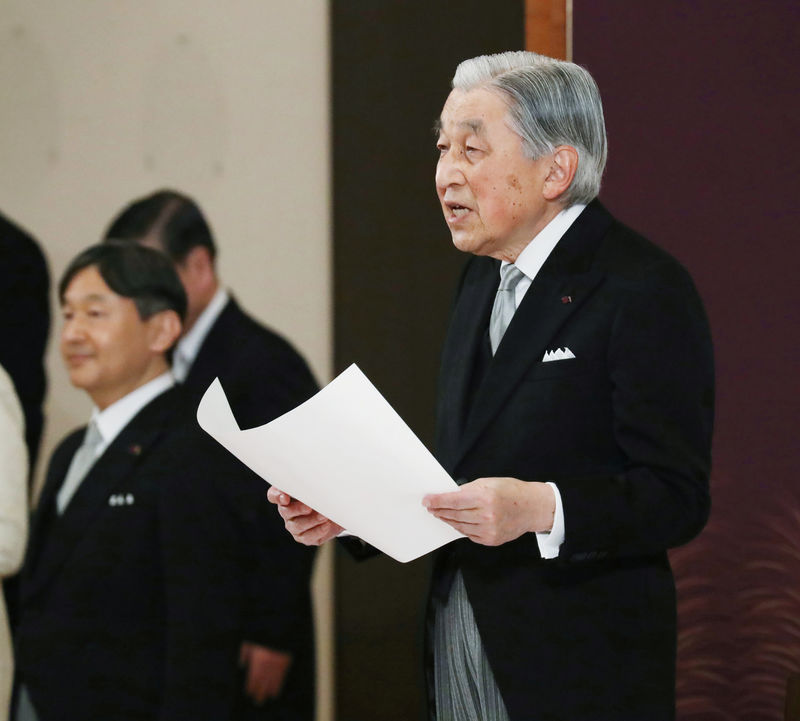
[[263, 376], [13, 515], [25, 324]]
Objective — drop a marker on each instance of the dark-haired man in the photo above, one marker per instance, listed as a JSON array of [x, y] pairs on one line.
[[263, 377], [131, 600], [575, 406]]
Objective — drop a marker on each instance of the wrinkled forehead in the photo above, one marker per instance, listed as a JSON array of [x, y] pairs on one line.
[[475, 111]]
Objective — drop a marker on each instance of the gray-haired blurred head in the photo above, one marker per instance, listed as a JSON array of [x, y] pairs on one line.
[[550, 103]]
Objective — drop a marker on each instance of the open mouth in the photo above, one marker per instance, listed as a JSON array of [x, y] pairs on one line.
[[457, 211]]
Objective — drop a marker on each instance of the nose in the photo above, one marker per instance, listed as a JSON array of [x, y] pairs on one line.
[[448, 171], [73, 330]]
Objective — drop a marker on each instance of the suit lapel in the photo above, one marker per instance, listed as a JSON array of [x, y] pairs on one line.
[[565, 282], [467, 328], [41, 523], [215, 346], [536, 322]]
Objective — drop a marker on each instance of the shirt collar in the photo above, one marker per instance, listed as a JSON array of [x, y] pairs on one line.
[[189, 346], [113, 419], [534, 255]]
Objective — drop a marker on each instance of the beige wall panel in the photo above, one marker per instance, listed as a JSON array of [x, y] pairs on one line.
[[105, 101]]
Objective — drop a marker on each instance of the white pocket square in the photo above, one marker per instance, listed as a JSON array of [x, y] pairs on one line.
[[557, 355]]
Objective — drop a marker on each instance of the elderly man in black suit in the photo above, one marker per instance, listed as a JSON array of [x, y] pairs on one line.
[[131, 602], [575, 408], [263, 377]]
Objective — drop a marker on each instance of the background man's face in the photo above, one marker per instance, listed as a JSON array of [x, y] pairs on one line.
[[192, 271], [104, 342], [491, 194]]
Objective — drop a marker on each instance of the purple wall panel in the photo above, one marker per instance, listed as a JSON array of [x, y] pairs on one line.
[[701, 102]]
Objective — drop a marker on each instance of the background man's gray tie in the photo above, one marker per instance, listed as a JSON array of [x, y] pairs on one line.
[[504, 304], [82, 461]]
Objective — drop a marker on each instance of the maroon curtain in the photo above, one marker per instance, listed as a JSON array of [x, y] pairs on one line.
[[701, 102]]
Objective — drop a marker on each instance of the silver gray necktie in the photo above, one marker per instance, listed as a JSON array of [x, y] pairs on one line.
[[504, 304], [82, 461]]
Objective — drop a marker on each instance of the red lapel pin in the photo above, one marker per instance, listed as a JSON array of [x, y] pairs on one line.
[[566, 299]]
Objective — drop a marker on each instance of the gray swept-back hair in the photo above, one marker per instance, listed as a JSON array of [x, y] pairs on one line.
[[550, 103]]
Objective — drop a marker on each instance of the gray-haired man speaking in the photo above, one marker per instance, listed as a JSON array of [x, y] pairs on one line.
[[575, 400]]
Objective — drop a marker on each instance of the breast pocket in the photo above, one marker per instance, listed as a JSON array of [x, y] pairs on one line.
[[546, 370]]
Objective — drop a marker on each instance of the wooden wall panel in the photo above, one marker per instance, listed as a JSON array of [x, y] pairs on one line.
[[548, 27], [395, 274]]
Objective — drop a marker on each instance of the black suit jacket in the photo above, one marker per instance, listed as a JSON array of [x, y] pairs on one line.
[[624, 429], [264, 377], [131, 604], [24, 323]]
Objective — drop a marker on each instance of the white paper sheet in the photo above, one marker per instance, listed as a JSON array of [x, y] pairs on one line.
[[346, 453]]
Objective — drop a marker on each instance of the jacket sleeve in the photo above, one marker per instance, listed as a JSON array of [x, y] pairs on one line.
[[660, 367], [199, 539], [270, 380]]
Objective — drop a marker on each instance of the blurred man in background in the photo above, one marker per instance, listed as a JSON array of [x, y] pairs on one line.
[[263, 377]]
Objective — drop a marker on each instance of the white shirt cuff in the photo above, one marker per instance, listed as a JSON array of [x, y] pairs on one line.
[[550, 542]]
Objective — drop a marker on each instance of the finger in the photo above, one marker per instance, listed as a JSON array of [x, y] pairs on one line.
[[470, 530], [312, 533], [270, 690], [302, 524], [261, 693], [295, 509], [457, 500], [453, 517], [255, 688], [278, 497]]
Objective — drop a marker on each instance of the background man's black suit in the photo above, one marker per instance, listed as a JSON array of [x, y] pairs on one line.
[[130, 600], [624, 430], [24, 328], [24, 323], [264, 377]]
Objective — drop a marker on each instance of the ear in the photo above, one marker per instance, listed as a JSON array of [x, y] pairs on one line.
[[164, 329], [197, 273], [563, 166], [197, 263]]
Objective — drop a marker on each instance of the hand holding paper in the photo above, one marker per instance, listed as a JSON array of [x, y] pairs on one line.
[[306, 525], [346, 454]]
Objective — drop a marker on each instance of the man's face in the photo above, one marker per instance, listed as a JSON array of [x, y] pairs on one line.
[[106, 346], [491, 194]]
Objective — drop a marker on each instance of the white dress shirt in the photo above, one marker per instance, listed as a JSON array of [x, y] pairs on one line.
[[112, 420], [530, 262], [189, 345]]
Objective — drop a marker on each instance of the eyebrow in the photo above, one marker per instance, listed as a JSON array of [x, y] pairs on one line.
[[476, 126], [91, 298]]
